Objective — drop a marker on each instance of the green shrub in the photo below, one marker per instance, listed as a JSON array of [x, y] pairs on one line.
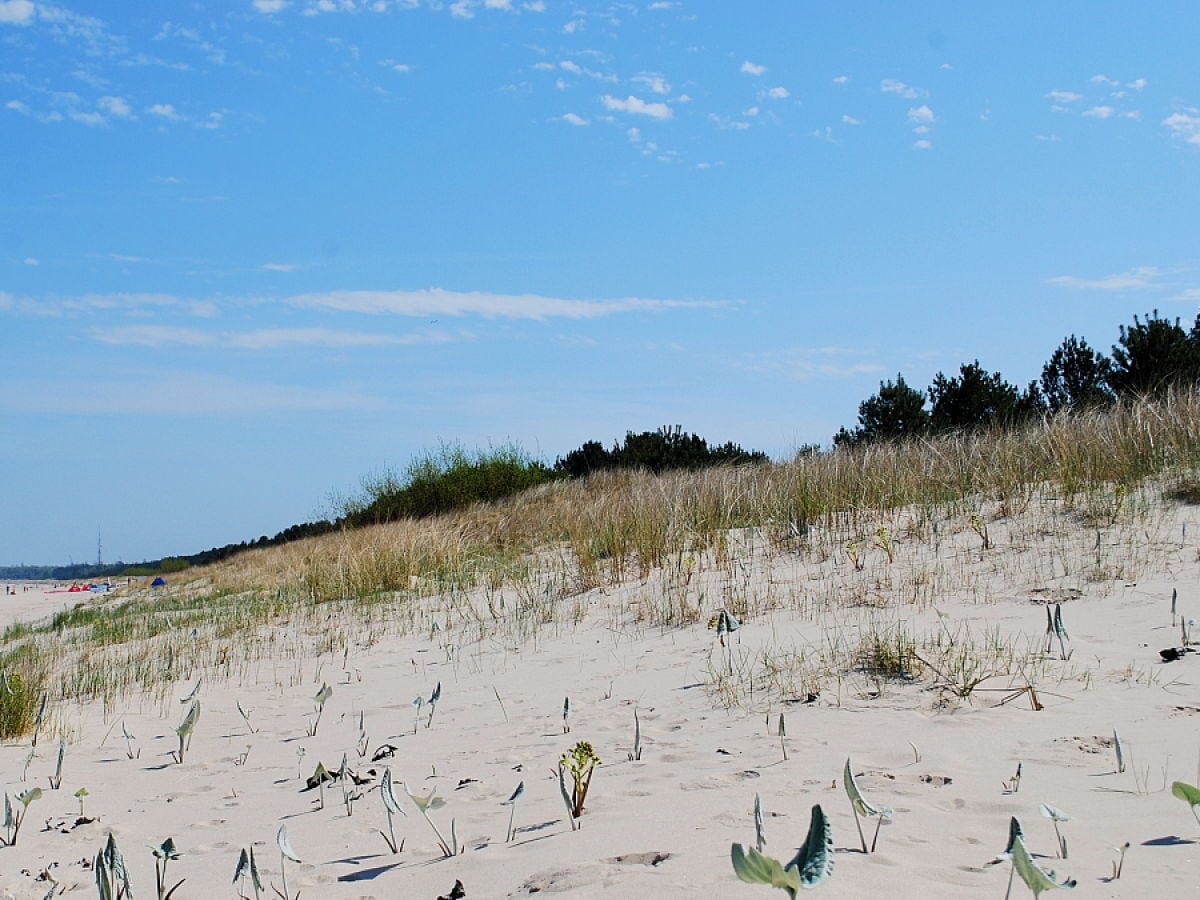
[[22, 683]]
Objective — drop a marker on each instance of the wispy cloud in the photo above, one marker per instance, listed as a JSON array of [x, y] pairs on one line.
[[278, 267], [1135, 279], [1101, 112], [573, 119], [891, 86], [636, 106], [259, 339], [16, 12], [806, 363], [437, 302], [1184, 125], [1064, 96], [750, 68], [270, 6]]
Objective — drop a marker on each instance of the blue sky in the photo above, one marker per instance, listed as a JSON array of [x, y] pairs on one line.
[[253, 251]]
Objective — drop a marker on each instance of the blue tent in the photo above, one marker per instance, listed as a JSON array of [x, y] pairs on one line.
[[159, 582]]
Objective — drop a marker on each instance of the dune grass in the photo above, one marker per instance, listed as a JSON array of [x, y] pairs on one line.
[[690, 539]]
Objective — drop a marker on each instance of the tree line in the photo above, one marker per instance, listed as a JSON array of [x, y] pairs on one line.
[[1150, 357]]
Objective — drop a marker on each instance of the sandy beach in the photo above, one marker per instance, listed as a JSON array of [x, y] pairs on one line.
[[662, 825]]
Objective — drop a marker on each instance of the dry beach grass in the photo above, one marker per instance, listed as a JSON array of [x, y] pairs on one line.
[[893, 603]]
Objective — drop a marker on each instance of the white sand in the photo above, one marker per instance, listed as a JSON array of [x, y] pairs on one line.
[[662, 827]]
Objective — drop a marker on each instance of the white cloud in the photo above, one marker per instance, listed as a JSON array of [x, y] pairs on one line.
[[573, 26], [637, 106], [923, 145], [17, 106], [779, 93], [462, 10], [841, 79], [1138, 84], [572, 67], [16, 12], [165, 110], [498, 4], [750, 68], [573, 119], [654, 83], [438, 302], [1185, 125], [270, 6], [278, 267], [91, 119], [258, 339], [115, 106], [921, 115], [31, 261], [536, 6], [891, 86], [1135, 279], [850, 120], [1191, 294], [1064, 96], [1104, 79], [1100, 112], [801, 364]]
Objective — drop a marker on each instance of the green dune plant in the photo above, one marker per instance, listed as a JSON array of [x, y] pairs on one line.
[[1035, 877], [163, 854], [1013, 784], [1189, 794], [1056, 630], [245, 714], [864, 809], [809, 868], [760, 836], [247, 867], [1119, 750], [56, 778], [129, 739], [285, 853], [14, 817], [1119, 863], [566, 715], [112, 877], [320, 699], [185, 729], [392, 807], [424, 805], [635, 754], [511, 803], [1056, 815], [580, 763]]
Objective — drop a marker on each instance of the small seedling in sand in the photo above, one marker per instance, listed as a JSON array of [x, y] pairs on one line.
[[1189, 794], [112, 878], [363, 742], [1056, 629], [317, 780], [247, 866], [28, 759], [245, 714], [580, 761], [854, 552], [285, 853], [1035, 877], [349, 794], [432, 702], [1014, 784], [319, 699], [56, 778], [41, 715], [391, 806], [883, 540], [1120, 751], [726, 624], [185, 729], [300, 754], [783, 737], [760, 837], [980, 528], [636, 753], [163, 854], [1174, 603], [129, 739], [1014, 831], [80, 795], [567, 715], [13, 818], [1119, 863], [424, 805], [1057, 815], [811, 866], [511, 803], [861, 807], [1185, 628]]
